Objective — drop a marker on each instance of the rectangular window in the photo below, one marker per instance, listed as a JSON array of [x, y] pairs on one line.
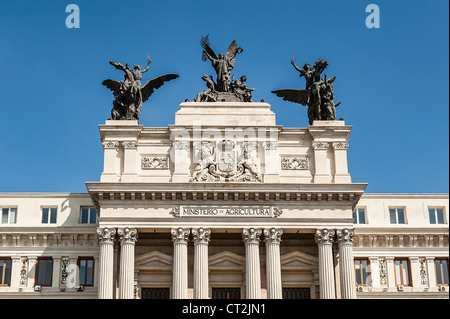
[[5, 271], [402, 272], [88, 215], [359, 216], [9, 215], [86, 266], [49, 215], [441, 265], [44, 268], [361, 271], [397, 215], [436, 215]]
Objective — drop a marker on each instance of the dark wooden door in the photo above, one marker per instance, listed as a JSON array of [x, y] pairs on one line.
[[155, 293], [226, 293], [296, 293]]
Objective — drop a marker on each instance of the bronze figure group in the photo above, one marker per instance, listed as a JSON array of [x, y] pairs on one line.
[[129, 94]]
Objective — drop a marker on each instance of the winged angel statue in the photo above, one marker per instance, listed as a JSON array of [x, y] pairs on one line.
[[223, 64], [318, 94], [129, 94]]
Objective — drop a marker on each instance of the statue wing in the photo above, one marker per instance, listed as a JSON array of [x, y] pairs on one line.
[[154, 84], [113, 85], [204, 42], [293, 95], [231, 52]]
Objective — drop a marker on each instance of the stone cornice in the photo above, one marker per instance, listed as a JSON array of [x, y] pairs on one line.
[[342, 193]]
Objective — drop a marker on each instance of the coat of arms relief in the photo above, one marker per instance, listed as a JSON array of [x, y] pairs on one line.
[[227, 161]]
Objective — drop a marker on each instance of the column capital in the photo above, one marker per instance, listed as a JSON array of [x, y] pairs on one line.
[[106, 235], [340, 146], [251, 235], [320, 145], [127, 235], [273, 235], [324, 236], [110, 145], [129, 144], [345, 236], [180, 235], [201, 235]]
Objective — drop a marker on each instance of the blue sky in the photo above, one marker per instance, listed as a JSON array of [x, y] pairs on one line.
[[392, 81]]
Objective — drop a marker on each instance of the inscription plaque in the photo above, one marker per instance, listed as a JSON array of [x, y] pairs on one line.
[[227, 211]]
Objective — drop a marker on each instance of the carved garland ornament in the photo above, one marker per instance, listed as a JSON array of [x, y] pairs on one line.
[[153, 162], [294, 163]]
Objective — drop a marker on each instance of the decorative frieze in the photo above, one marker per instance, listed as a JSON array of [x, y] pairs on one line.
[[294, 163], [154, 162]]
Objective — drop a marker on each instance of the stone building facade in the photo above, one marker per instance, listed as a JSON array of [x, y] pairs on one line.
[[224, 204]]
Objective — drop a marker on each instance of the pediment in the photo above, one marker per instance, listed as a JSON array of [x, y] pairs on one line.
[[226, 259], [299, 260], [153, 259]]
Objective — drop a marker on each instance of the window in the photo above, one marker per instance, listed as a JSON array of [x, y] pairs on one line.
[[441, 271], [88, 215], [359, 216], [44, 267], [48, 215], [402, 272], [5, 271], [436, 215], [155, 293], [397, 215], [9, 215], [296, 293], [361, 271], [86, 266]]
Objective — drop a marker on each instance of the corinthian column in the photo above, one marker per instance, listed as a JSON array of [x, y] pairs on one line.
[[252, 265], [273, 263], [180, 266], [128, 237], [201, 284], [106, 243], [324, 239], [345, 240]]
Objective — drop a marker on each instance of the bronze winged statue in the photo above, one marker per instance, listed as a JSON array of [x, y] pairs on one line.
[[129, 94], [318, 94]]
